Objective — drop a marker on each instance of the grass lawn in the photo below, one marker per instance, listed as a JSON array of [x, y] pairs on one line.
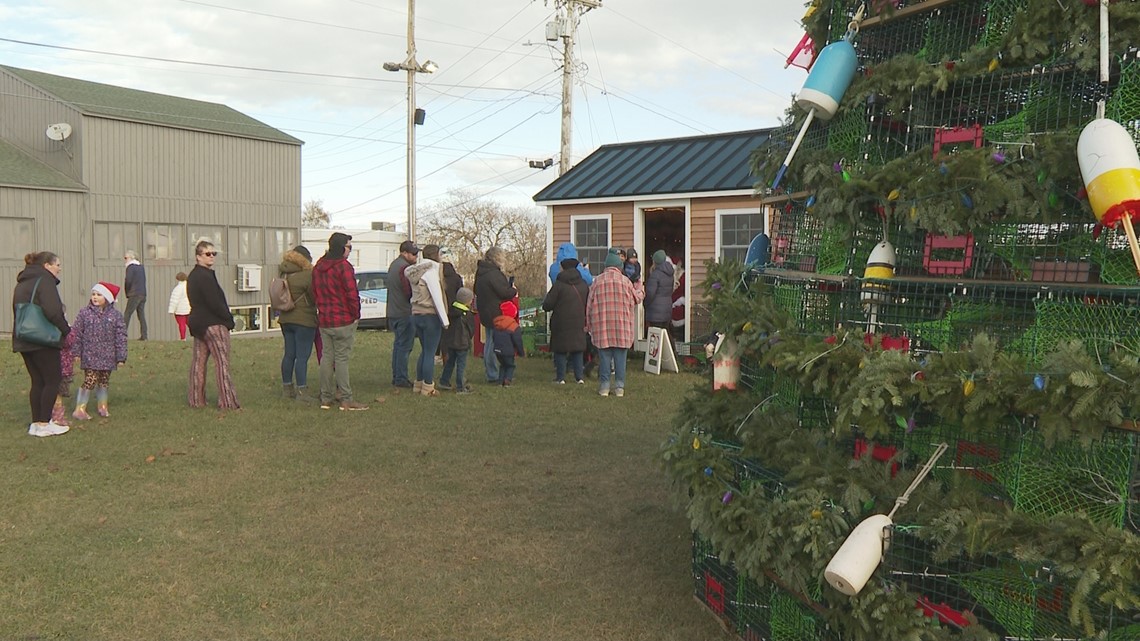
[[531, 512]]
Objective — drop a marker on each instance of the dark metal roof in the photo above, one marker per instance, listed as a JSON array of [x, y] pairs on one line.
[[717, 162]]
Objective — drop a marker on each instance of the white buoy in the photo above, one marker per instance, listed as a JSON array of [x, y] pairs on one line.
[[859, 556], [880, 265]]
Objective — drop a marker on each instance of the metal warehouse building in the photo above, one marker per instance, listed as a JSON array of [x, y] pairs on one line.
[[89, 170]]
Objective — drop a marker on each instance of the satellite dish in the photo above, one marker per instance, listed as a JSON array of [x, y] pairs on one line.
[[59, 131]]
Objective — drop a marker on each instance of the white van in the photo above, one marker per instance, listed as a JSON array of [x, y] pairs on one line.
[[373, 288]]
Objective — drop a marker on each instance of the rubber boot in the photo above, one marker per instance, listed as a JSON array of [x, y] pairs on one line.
[[101, 402], [81, 405], [59, 412]]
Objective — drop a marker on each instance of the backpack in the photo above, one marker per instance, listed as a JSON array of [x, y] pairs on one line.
[[280, 298]]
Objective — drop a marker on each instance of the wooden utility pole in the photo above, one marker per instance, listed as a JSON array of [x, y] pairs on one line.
[[567, 29]]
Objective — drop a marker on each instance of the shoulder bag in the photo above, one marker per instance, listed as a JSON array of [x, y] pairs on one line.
[[32, 326]]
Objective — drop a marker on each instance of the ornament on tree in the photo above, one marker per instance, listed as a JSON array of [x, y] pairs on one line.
[[968, 387], [880, 265], [727, 498], [1039, 382], [828, 80]]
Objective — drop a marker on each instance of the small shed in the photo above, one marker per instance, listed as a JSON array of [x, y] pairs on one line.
[[693, 197]]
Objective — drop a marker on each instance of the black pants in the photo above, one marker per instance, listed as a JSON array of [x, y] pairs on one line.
[[44, 368]]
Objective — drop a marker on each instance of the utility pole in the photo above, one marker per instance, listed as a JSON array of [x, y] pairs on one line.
[[415, 116], [566, 28]]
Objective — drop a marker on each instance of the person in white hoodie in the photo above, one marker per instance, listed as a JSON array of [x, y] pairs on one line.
[[180, 304], [429, 315]]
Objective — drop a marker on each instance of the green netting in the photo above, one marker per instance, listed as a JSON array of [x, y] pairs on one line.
[[999, 17], [845, 135], [1115, 259], [1069, 477], [754, 606], [1008, 595], [1124, 105], [1100, 325], [790, 620], [834, 250], [1039, 114], [960, 323]]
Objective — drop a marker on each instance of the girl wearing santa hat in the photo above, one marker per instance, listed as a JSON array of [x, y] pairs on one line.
[[100, 344]]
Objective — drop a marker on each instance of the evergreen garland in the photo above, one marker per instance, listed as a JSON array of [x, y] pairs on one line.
[[789, 526]]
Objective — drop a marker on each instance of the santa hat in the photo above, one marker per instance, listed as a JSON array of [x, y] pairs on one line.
[[110, 291], [508, 308]]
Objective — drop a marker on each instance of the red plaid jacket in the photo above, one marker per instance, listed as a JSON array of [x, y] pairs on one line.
[[610, 307], [334, 292]]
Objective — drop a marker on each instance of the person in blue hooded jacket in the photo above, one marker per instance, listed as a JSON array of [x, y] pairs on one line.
[[568, 250]]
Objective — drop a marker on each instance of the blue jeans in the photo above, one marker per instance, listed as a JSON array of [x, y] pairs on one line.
[[404, 335], [490, 363], [560, 365], [616, 357], [428, 329], [506, 366], [298, 347], [456, 360]]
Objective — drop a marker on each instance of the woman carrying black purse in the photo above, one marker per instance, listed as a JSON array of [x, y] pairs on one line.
[[38, 283]]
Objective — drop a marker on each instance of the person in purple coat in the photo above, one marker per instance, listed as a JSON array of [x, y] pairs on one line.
[[100, 344]]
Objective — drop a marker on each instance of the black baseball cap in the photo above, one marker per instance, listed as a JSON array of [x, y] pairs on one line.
[[409, 247]]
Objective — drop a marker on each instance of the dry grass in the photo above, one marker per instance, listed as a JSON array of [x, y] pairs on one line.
[[535, 512]]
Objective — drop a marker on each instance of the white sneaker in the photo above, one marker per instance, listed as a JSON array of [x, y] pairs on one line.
[[619, 391], [39, 429], [56, 429], [603, 392]]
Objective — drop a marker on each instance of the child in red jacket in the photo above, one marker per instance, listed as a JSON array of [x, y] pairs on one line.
[[508, 342]]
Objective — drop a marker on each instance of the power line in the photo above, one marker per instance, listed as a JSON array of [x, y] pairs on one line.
[[217, 65]]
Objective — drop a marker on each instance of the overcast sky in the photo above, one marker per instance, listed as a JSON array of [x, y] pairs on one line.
[[646, 69]]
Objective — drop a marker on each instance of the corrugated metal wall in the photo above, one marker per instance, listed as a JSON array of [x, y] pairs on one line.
[[146, 174]]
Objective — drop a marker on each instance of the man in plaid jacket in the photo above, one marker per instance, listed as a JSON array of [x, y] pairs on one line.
[[338, 311]]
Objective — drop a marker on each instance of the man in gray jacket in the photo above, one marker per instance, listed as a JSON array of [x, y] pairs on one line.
[[399, 312]]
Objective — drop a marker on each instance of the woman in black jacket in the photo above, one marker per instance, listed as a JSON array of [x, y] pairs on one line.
[[210, 324], [566, 302], [41, 275]]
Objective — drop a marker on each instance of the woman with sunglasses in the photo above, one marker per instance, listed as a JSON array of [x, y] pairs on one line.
[[210, 324]]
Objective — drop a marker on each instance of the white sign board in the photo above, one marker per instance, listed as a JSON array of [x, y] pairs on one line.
[[659, 352]]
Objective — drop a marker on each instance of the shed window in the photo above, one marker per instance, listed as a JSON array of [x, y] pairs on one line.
[[112, 240], [16, 238], [281, 241], [592, 239], [163, 242], [214, 235], [736, 232]]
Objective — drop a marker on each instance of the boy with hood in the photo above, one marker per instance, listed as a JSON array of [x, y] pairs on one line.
[[565, 251], [429, 315], [631, 267], [457, 341], [507, 341]]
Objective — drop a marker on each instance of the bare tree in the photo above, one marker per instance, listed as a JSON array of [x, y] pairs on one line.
[[469, 225], [313, 215]]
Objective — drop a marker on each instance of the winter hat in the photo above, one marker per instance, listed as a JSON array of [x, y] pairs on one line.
[[338, 241], [304, 251], [568, 263], [464, 295], [508, 308], [659, 257], [613, 260], [110, 291], [631, 253]]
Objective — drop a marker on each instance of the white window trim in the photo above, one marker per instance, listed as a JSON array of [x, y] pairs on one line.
[[609, 218], [720, 213]]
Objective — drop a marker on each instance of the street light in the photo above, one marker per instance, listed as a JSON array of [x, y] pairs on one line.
[[415, 116]]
